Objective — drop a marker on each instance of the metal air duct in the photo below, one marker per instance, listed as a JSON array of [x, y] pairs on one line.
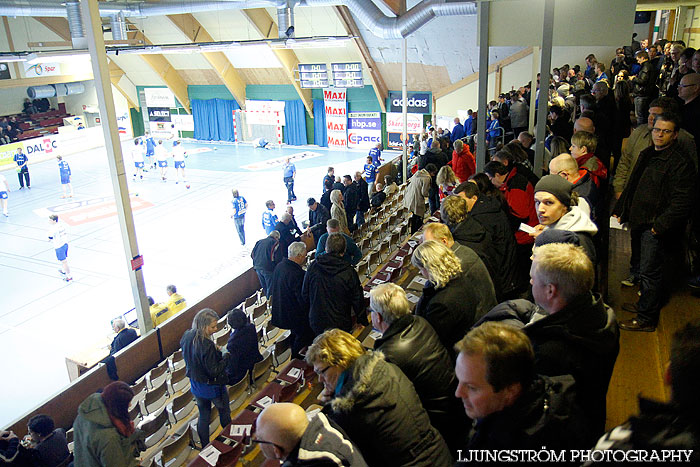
[[118, 24], [75, 23], [285, 21]]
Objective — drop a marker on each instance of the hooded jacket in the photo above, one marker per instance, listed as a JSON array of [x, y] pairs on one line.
[[97, 443], [453, 309], [576, 220], [472, 234], [332, 289], [378, 408], [418, 189], [594, 166], [412, 344], [463, 163], [324, 444], [545, 414], [338, 212], [487, 211], [659, 426], [581, 339]]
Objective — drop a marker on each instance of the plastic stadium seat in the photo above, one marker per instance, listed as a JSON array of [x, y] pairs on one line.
[[156, 429], [175, 453], [238, 392], [182, 406], [262, 370], [179, 381], [156, 398]]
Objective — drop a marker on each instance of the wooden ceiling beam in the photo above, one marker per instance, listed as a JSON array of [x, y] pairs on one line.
[[266, 26], [378, 83], [195, 32], [163, 68], [398, 7]]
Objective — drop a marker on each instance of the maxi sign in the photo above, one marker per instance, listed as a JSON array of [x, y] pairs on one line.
[[34, 148], [364, 130], [335, 101]]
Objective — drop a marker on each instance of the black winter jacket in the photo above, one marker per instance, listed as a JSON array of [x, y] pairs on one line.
[[471, 233], [319, 216], [363, 194], [381, 412], [488, 212], [545, 414], [332, 289], [205, 364], [351, 198], [660, 191], [451, 310], [243, 347], [581, 340], [289, 309], [263, 254], [412, 344], [644, 84]]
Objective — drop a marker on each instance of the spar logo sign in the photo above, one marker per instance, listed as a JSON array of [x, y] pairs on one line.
[[41, 145], [41, 69], [418, 102]]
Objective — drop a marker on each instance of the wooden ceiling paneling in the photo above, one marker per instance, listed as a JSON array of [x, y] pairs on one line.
[[200, 76], [420, 77], [264, 75]]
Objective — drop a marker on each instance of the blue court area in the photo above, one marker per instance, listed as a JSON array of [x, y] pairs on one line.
[[186, 237]]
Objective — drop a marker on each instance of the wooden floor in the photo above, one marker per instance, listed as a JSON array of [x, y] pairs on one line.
[[643, 356]]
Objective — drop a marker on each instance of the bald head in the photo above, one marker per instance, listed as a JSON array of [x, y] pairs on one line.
[[564, 165], [584, 124], [282, 424], [689, 87]]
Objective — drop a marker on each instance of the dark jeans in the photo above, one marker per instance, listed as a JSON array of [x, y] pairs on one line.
[[359, 218], [204, 406], [265, 278], [641, 109], [289, 183], [24, 172], [434, 200], [635, 242], [656, 256], [416, 222], [240, 224], [301, 337]]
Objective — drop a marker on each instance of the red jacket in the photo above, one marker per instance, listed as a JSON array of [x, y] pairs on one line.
[[463, 164], [595, 167], [520, 196]]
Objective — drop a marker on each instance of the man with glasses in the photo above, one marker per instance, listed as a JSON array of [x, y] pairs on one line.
[[656, 203], [285, 433]]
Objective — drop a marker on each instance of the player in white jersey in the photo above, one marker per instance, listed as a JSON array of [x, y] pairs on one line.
[[137, 157], [179, 156], [4, 190], [58, 234], [162, 157]]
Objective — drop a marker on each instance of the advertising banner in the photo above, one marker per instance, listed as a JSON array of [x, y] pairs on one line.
[[159, 97], [41, 69], [34, 148], [183, 122], [364, 130], [335, 101], [394, 127], [158, 114], [418, 102]]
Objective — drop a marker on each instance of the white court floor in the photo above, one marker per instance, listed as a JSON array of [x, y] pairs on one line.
[[185, 236]]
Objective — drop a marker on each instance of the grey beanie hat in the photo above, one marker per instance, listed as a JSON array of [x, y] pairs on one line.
[[560, 187]]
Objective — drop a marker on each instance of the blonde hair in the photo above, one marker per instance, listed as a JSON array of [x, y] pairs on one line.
[[440, 262], [584, 138], [438, 231], [446, 176], [458, 145], [454, 209], [389, 300], [564, 265], [334, 347]]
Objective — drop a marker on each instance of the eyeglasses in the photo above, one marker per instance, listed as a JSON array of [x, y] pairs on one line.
[[662, 131], [686, 85], [320, 373], [562, 173], [249, 439]]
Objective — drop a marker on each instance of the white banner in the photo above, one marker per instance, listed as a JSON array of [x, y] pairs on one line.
[[41, 146], [41, 69], [159, 97], [162, 130], [336, 117], [394, 123], [263, 112], [183, 122]]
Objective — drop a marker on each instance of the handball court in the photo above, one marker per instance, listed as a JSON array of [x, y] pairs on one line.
[[186, 237]]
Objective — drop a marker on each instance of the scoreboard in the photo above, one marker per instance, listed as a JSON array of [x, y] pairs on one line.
[[345, 75]]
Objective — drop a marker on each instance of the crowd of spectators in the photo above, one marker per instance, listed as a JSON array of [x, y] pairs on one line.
[[510, 345]]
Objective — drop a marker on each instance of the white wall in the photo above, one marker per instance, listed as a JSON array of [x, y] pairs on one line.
[[11, 100], [74, 103]]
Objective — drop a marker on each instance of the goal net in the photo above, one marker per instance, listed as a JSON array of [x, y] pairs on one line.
[[248, 126]]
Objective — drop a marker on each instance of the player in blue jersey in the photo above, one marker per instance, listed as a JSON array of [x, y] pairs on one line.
[[137, 157], [64, 169], [240, 206], [376, 154], [370, 173], [150, 149], [269, 219]]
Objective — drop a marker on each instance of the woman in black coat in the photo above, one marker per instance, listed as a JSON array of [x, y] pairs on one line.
[[242, 346], [206, 368]]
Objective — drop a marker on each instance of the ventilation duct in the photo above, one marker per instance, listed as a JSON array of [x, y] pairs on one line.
[[51, 90], [118, 24], [285, 21], [365, 10], [75, 23]]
